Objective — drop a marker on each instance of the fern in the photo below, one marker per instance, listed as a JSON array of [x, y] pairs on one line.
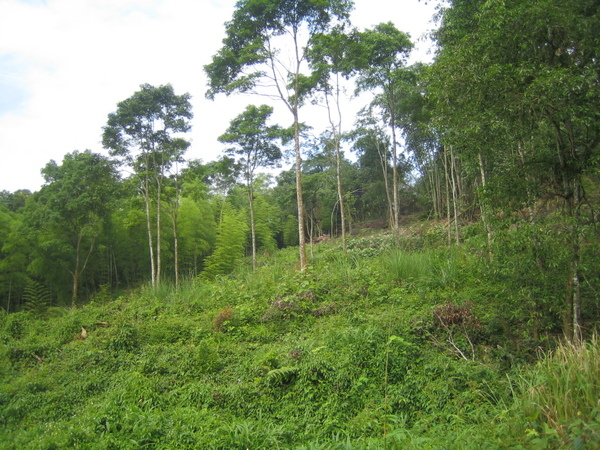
[[229, 249], [36, 297], [281, 376]]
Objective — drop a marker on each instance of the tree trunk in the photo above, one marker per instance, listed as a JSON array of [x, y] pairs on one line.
[[158, 230], [396, 202], [574, 328], [447, 178], [340, 193], [79, 269], [299, 194], [149, 230], [175, 243], [483, 203], [336, 129], [383, 160], [252, 224], [454, 194], [175, 217], [9, 293], [299, 197]]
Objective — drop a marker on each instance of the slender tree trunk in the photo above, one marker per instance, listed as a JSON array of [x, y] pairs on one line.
[[340, 193], [573, 311], [384, 166], [175, 219], [432, 193], [9, 293], [79, 268], [252, 222], [454, 193], [447, 178], [294, 109], [158, 230], [440, 192], [483, 202], [75, 274], [336, 129], [396, 203], [175, 243], [299, 194], [149, 230], [114, 264]]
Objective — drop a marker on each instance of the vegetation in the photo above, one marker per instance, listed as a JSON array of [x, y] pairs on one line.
[[362, 350], [446, 293]]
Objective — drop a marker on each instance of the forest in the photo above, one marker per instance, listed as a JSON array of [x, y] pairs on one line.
[[428, 278]]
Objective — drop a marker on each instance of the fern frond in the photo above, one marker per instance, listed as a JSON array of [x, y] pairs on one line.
[[280, 376]]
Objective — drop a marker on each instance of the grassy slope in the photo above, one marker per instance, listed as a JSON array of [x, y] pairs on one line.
[[345, 355]]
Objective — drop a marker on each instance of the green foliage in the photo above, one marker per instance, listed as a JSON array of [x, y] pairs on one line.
[[290, 230], [197, 233], [281, 375], [37, 297], [267, 226], [406, 267], [230, 245], [344, 354], [559, 397]]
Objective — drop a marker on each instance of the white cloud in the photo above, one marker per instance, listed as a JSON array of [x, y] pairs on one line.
[[67, 63]]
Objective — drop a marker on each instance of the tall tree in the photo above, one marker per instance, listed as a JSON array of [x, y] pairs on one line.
[[254, 145], [74, 206], [383, 56], [372, 145], [145, 132], [257, 57], [331, 57]]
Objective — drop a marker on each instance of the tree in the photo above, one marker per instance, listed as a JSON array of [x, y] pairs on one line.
[[74, 207], [373, 147], [253, 141], [256, 57], [523, 77], [384, 51], [13, 201], [144, 133], [331, 57]]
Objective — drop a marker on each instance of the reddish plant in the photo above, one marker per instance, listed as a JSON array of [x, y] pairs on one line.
[[222, 320]]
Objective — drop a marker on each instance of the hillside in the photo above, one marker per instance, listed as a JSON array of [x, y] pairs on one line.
[[378, 348]]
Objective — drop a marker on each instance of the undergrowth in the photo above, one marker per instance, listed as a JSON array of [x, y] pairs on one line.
[[375, 348]]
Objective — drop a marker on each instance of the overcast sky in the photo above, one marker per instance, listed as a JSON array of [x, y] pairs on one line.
[[65, 64]]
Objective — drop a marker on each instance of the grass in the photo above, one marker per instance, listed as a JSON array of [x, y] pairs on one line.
[[404, 266], [345, 354], [561, 396]]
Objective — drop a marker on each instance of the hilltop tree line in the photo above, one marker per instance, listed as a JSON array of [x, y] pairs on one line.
[[496, 140]]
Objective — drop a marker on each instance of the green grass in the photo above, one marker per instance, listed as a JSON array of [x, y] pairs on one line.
[[403, 266], [561, 395], [344, 355]]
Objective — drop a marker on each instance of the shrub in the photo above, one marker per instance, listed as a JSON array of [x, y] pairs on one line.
[[223, 319]]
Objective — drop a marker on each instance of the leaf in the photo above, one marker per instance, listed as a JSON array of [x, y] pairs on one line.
[[282, 375]]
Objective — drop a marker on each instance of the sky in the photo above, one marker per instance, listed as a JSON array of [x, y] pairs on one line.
[[65, 64]]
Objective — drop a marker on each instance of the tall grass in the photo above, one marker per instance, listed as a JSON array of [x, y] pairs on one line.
[[399, 265], [563, 393], [432, 268]]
